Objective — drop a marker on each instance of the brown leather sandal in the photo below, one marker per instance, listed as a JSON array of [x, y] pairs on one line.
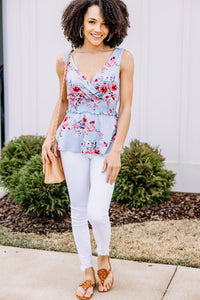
[[103, 274], [86, 285]]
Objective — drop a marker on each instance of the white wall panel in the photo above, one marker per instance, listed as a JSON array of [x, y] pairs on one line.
[[185, 78], [51, 43], [28, 66], [12, 70], [163, 83], [193, 133], [164, 39]]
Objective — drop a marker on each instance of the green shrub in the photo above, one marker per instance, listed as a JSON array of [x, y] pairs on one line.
[[36, 197], [15, 155], [142, 180]]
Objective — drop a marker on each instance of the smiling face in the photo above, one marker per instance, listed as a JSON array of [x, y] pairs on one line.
[[94, 27]]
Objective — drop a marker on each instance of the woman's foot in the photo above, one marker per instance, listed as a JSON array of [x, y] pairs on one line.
[[105, 277], [87, 293]]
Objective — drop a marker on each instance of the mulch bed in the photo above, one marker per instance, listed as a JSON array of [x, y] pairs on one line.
[[179, 206]]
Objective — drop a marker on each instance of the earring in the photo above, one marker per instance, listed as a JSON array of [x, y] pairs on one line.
[[108, 37], [81, 32]]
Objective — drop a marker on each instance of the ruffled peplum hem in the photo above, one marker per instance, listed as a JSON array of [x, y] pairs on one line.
[[85, 132]]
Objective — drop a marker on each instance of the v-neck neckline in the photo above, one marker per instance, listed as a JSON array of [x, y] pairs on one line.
[[90, 82]]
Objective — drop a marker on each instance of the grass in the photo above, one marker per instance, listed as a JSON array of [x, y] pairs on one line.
[[168, 242]]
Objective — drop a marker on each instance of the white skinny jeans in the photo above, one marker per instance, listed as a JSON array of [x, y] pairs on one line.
[[90, 197]]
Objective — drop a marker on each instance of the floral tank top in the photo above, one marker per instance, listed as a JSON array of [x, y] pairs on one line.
[[90, 124]]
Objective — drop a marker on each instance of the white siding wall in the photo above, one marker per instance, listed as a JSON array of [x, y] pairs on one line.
[[164, 39]]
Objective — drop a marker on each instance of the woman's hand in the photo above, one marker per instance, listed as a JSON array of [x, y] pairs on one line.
[[113, 163], [47, 154]]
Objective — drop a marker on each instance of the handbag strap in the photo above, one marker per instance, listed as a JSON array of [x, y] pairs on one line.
[[61, 97]]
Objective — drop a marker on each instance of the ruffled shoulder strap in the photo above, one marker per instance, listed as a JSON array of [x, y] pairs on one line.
[[65, 56], [119, 54]]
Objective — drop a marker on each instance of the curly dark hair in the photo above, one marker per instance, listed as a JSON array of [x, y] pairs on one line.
[[114, 12]]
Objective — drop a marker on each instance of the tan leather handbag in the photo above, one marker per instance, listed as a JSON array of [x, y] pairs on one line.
[[54, 171]]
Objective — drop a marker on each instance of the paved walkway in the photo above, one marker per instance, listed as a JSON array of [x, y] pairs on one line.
[[28, 274]]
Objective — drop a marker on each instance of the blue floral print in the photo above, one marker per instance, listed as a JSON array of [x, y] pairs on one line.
[[90, 124]]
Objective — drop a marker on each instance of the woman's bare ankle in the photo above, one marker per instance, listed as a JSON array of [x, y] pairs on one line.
[[103, 261], [90, 274]]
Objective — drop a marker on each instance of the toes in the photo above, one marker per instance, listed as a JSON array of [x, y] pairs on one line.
[[106, 286], [100, 287], [107, 283], [89, 292], [80, 291]]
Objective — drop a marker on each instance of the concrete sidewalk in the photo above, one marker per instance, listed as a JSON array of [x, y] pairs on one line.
[[28, 274]]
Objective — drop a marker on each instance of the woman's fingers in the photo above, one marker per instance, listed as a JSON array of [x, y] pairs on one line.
[[44, 155], [50, 155], [108, 174], [47, 155], [115, 172], [111, 171], [112, 174], [112, 163], [56, 150], [104, 165]]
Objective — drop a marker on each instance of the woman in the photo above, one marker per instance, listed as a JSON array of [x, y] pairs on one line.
[[91, 133]]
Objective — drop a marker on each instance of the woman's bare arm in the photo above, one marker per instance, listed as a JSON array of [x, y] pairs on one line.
[[112, 160], [63, 104], [126, 87], [46, 152]]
